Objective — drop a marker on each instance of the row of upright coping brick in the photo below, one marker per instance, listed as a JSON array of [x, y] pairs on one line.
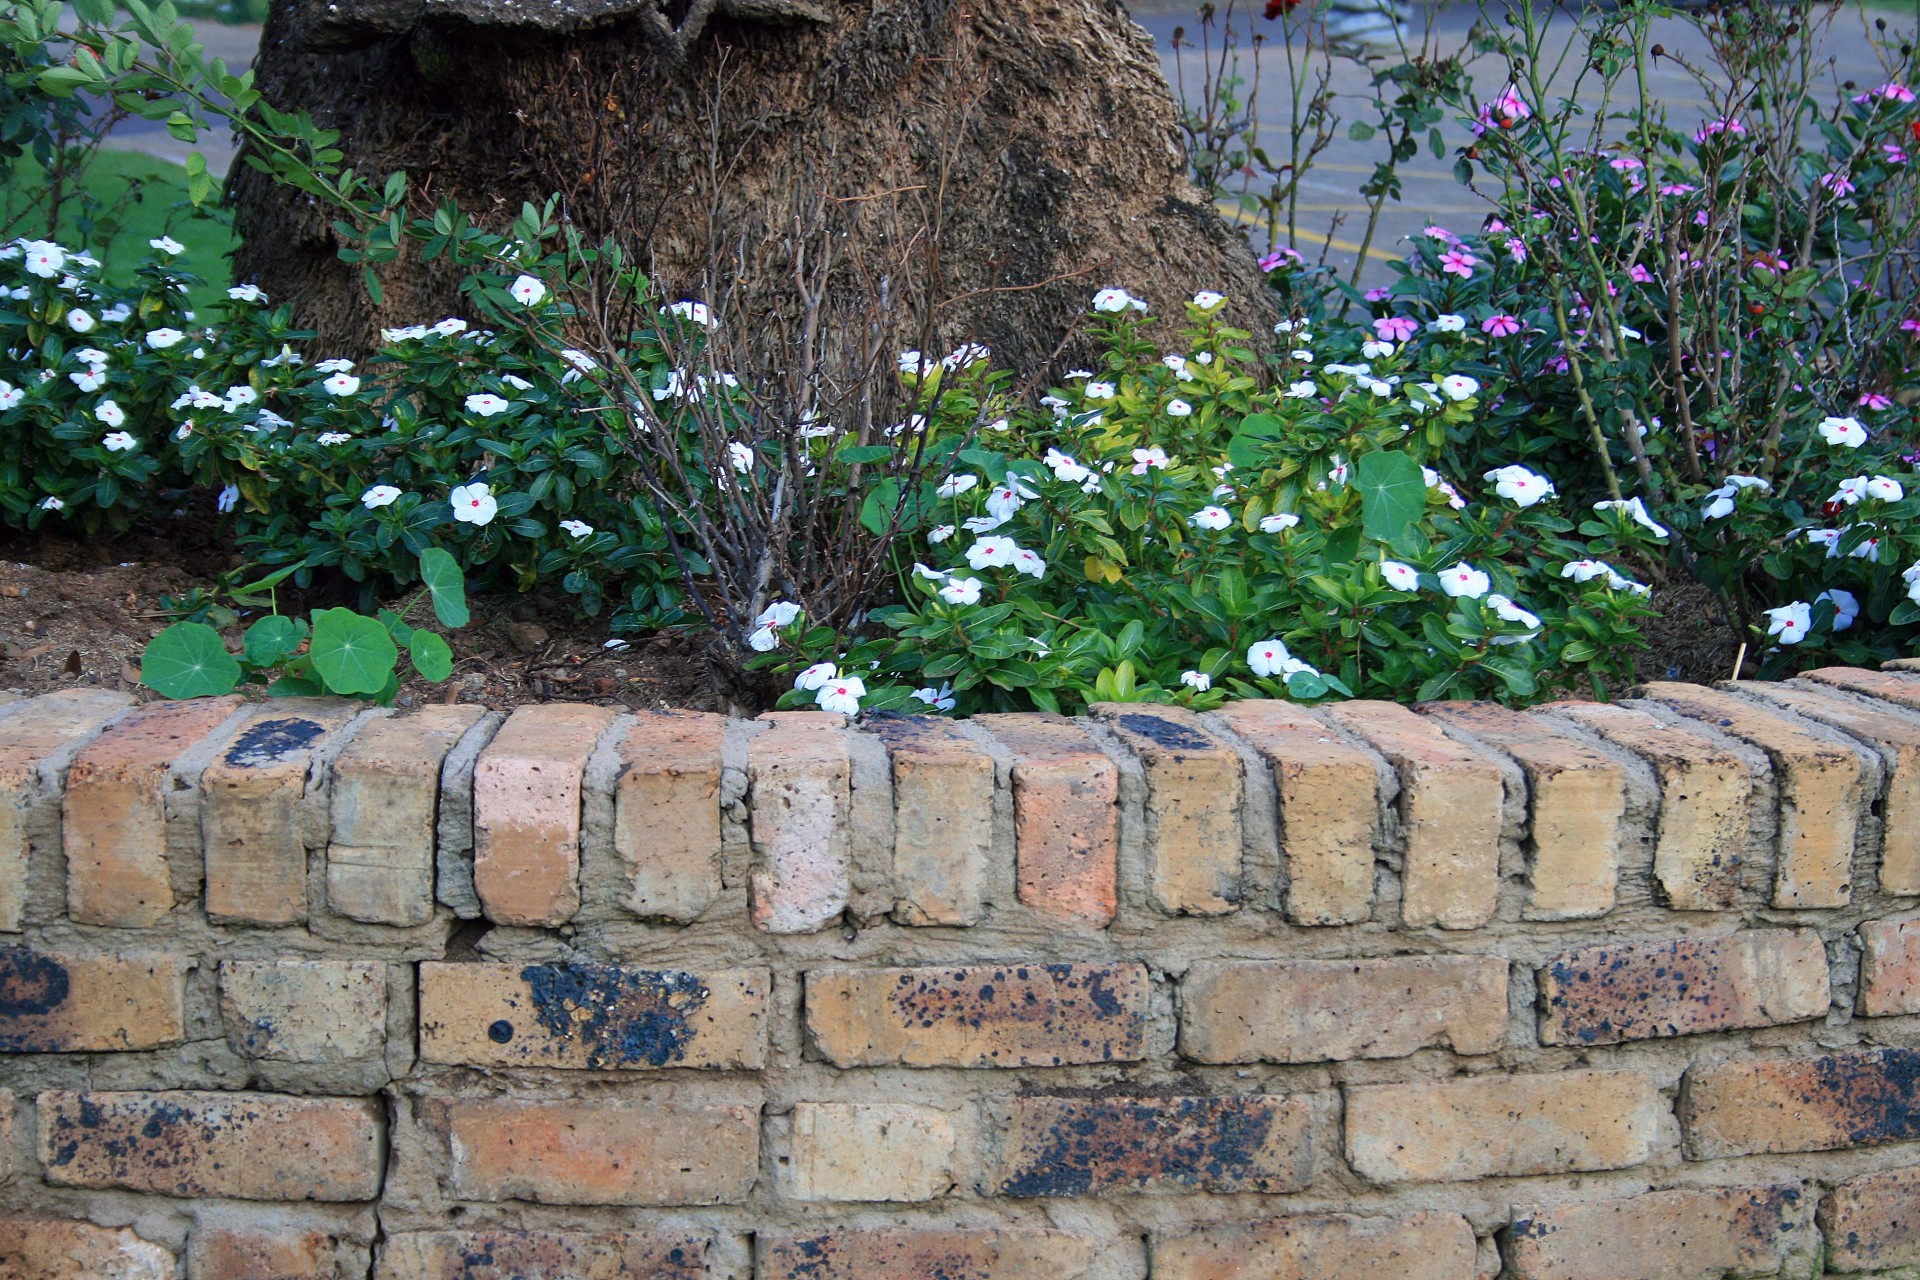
[[921, 817]]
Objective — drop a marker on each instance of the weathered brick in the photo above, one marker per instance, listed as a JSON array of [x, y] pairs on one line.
[[304, 1010], [1329, 809], [1193, 807], [33, 732], [526, 813], [1421, 1246], [505, 1254], [1450, 804], [59, 1249], [115, 815], [1873, 1223], [246, 1146], [1576, 806], [1705, 791], [6, 1135], [596, 1016], [1764, 1105], [1694, 1234], [799, 794], [1682, 986], [942, 819], [1889, 967], [1502, 1126], [227, 1253], [603, 1151], [256, 835], [52, 1002], [1084, 1146], [1888, 684], [1066, 817], [1011, 1015], [385, 801], [666, 813], [1821, 787], [900, 1253], [879, 1151], [1332, 1010]]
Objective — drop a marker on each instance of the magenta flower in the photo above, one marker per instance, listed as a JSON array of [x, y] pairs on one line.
[[1714, 128], [1500, 326], [1377, 295], [1639, 274], [1395, 328], [1911, 324], [1281, 257], [1439, 233], [1517, 249], [1892, 91], [1457, 261], [1495, 226], [1875, 402], [1837, 184], [1677, 189], [1893, 152], [1770, 262]]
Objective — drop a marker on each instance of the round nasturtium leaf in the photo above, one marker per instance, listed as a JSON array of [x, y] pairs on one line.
[[189, 660], [446, 584], [351, 652], [432, 657], [272, 639]]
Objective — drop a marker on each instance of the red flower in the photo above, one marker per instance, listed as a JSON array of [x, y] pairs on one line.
[[1277, 7]]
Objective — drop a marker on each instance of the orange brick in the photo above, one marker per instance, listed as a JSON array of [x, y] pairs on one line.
[[666, 814], [226, 1253], [1012, 1015], [506, 1254], [1576, 805], [60, 1249], [799, 794], [1194, 789], [1329, 809], [1872, 1223], [246, 1146], [1421, 1246], [304, 1010], [1084, 1146], [1767, 1105], [1333, 1010], [1889, 967], [899, 1253], [1821, 788], [1065, 815], [1682, 986], [51, 1002], [602, 1151], [1746, 1231], [1450, 803], [1502, 1126], [33, 733], [115, 828], [1888, 684], [592, 1016], [526, 813], [942, 818]]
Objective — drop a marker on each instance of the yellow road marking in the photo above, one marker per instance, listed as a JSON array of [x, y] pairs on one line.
[[1332, 242]]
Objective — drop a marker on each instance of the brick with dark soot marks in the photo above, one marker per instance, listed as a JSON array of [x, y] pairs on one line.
[[1682, 986], [1083, 1146], [1768, 1105]]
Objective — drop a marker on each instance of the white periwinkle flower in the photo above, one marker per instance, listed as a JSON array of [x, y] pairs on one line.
[[781, 613], [1790, 622], [341, 384], [961, 591], [52, 504], [119, 442], [1268, 658], [694, 311], [816, 675], [1458, 386], [1886, 489], [1005, 499], [110, 414], [1112, 301], [474, 503], [229, 498], [486, 404], [1447, 324], [1519, 485], [842, 694], [940, 533], [577, 529], [1637, 512], [379, 496], [1029, 563], [167, 245], [1210, 517], [1100, 391], [1207, 299], [333, 437], [80, 321], [247, 293], [1065, 469], [763, 639], [1464, 580], [940, 699], [740, 456], [1846, 606], [1401, 577], [1198, 681], [1302, 390], [1375, 349], [527, 291], [161, 339], [10, 396], [1278, 522], [954, 486], [1178, 409], [1845, 432]]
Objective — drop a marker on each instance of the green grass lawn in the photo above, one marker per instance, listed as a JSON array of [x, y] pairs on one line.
[[140, 197]]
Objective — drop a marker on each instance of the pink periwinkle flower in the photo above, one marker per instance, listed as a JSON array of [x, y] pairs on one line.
[[1893, 153], [1700, 219], [1624, 164], [1714, 128], [1677, 189], [1837, 184], [1770, 262], [1500, 326], [1517, 250], [1639, 274], [1495, 226], [1875, 401], [1459, 262], [1911, 325], [1377, 295], [1281, 257], [1395, 328], [1439, 233], [1892, 91]]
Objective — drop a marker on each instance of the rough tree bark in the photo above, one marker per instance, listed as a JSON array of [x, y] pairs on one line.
[[1043, 128]]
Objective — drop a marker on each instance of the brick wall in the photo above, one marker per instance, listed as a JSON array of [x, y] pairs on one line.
[[1628, 992]]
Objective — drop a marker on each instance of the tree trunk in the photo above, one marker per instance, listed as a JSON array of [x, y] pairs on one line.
[[1042, 132]]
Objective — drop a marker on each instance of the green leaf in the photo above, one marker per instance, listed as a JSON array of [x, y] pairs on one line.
[[447, 585], [188, 660], [876, 513], [1393, 494], [352, 652], [272, 639], [432, 656], [858, 453], [1251, 438]]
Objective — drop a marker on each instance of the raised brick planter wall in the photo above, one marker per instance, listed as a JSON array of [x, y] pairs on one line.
[[294, 990]]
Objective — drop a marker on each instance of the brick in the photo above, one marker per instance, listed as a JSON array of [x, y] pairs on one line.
[[1450, 805], [1695, 1234], [504, 1254], [1085, 1146], [1012, 1015], [1705, 791], [385, 801], [1872, 1223], [1821, 785], [881, 1151], [34, 732], [799, 795], [304, 1010], [51, 1002], [1887, 684], [1576, 808], [6, 1135], [1328, 814], [603, 1151], [666, 814], [1889, 967], [256, 835], [1193, 807], [115, 814], [1334, 1010], [1066, 817], [900, 1253], [50, 1249], [1421, 1246], [225, 1253], [1502, 1126], [1897, 737], [1682, 986], [592, 1016], [245, 1146], [526, 813], [942, 819], [1767, 1105]]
